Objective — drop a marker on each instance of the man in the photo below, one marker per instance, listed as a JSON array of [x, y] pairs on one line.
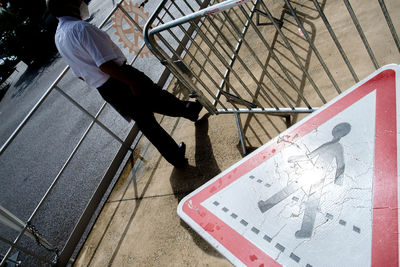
[[94, 58]]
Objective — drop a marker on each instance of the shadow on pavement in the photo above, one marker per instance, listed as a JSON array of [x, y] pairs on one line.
[[32, 74], [3, 90], [184, 181]]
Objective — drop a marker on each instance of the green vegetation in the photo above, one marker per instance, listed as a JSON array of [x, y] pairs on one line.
[[26, 31]]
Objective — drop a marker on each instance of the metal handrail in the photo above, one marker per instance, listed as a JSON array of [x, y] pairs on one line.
[[125, 147], [217, 8], [32, 111]]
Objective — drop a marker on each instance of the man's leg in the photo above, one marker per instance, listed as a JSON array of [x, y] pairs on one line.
[[168, 104], [164, 143], [139, 109], [163, 102]]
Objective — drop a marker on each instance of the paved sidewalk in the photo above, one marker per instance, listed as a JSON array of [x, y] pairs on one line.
[[139, 225]]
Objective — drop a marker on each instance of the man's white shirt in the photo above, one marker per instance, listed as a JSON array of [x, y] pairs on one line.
[[84, 47]]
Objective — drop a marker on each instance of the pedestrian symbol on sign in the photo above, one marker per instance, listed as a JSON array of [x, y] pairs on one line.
[[313, 185]]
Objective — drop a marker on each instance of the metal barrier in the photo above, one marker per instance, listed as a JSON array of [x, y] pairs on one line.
[[63, 255], [262, 56]]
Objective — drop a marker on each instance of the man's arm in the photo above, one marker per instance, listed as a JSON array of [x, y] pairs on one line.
[[118, 72]]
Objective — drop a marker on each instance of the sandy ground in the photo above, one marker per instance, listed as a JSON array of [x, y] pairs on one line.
[[139, 225]]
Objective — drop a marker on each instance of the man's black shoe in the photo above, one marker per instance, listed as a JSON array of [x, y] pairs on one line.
[[182, 149], [194, 110], [181, 161]]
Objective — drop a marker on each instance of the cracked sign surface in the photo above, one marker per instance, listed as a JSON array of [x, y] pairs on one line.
[[323, 193]]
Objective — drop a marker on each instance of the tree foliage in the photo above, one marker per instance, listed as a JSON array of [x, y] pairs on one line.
[[26, 30]]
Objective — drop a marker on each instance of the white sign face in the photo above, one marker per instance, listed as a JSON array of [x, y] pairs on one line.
[[323, 193]]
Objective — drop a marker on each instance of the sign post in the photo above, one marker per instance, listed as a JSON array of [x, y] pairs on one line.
[[322, 193]]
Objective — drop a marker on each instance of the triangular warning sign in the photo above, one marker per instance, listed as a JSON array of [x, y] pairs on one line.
[[323, 193]]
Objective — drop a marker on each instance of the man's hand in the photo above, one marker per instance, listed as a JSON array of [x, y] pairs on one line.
[[118, 72]]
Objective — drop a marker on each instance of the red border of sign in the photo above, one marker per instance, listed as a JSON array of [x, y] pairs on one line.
[[385, 216]]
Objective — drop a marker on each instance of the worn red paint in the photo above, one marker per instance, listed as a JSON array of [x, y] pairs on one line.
[[209, 227], [253, 257]]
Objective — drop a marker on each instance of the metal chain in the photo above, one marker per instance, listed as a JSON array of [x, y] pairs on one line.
[[17, 263], [36, 235]]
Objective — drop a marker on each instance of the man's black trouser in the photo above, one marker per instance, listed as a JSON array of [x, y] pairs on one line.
[[141, 109]]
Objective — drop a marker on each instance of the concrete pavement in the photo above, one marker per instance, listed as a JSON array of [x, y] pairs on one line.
[[139, 225]]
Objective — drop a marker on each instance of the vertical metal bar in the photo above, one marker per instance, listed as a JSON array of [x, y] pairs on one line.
[[189, 5], [220, 34], [287, 43], [228, 54], [334, 38], [186, 81], [312, 46], [194, 74], [188, 53], [361, 33], [214, 26], [390, 24], [234, 55], [229, 68], [239, 125], [176, 55], [264, 67], [193, 40], [225, 77], [183, 43], [149, 37], [221, 58], [280, 90], [232, 61], [272, 53]]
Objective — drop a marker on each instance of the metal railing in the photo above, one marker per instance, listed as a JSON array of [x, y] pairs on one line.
[[235, 63], [63, 255]]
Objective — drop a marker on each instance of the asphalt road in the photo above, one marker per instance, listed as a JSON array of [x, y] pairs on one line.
[[33, 160]]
